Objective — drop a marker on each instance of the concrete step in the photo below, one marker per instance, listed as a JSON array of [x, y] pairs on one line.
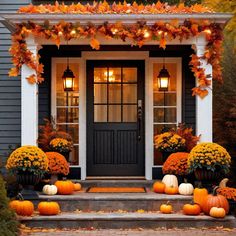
[[148, 201], [125, 220], [116, 183]]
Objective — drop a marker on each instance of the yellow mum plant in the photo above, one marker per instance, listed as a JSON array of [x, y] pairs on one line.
[[28, 158], [169, 142], [61, 145], [210, 156]]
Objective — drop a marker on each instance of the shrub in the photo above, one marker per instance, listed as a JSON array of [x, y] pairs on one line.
[[176, 164], [8, 222]]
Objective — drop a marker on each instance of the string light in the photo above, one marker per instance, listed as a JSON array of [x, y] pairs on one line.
[[207, 31], [73, 32], [146, 34]]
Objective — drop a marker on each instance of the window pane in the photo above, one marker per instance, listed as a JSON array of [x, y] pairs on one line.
[[129, 113], [129, 74], [74, 156], [100, 93], [100, 75], [130, 93], [114, 93], [67, 115], [170, 99], [100, 113], [71, 100], [114, 113], [165, 115], [114, 75], [158, 128], [73, 130]]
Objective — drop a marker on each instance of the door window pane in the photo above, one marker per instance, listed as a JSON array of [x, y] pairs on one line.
[[130, 93], [100, 93], [114, 93], [67, 115], [166, 115], [100, 113], [170, 99], [114, 75], [114, 113], [129, 113], [129, 75], [100, 75], [73, 130]]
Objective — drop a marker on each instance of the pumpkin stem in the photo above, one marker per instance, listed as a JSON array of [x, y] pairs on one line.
[[199, 184], [168, 203], [185, 181], [214, 190], [19, 195]]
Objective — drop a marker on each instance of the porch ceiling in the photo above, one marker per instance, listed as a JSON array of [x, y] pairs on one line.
[[9, 19]]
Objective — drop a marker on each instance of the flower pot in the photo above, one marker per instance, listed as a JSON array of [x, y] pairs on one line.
[[54, 178], [66, 155], [203, 174], [165, 155], [26, 178], [232, 207]]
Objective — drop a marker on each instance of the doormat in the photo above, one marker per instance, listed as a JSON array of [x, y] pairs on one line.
[[116, 190]]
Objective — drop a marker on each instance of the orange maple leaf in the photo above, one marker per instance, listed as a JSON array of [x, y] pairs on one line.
[[163, 43], [31, 79], [94, 43], [13, 72]]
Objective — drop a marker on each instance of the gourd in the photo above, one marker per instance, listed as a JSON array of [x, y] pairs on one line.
[[77, 186], [215, 200], [49, 189], [223, 183], [199, 196], [186, 188], [159, 187], [64, 187], [22, 207], [48, 208], [166, 208], [191, 209], [171, 190], [170, 180], [217, 212]]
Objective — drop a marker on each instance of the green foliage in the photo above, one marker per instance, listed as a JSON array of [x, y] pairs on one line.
[[8, 223]]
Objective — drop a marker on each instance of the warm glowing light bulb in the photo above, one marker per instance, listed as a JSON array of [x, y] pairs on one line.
[[146, 34], [60, 33], [114, 31], [160, 32], [208, 31], [73, 32]]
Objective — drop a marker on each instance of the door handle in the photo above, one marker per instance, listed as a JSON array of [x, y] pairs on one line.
[[140, 114]]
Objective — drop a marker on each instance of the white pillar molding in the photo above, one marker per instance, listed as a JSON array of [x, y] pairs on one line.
[[204, 108], [29, 103]]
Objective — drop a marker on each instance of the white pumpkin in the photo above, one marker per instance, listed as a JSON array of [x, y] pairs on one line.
[[170, 180], [49, 189], [186, 189]]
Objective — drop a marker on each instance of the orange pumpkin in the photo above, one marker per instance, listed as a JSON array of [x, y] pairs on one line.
[[191, 209], [215, 200], [159, 187], [171, 190], [64, 187], [77, 187], [166, 208], [24, 208], [13, 204], [199, 196], [48, 208]]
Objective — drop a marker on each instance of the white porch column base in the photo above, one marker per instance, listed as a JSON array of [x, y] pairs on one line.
[[204, 106], [29, 104]]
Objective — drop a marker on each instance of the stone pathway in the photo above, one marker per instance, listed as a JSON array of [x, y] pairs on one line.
[[140, 232]]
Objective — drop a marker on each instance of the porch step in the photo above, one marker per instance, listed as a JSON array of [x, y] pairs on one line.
[[116, 183], [84, 201], [125, 220]]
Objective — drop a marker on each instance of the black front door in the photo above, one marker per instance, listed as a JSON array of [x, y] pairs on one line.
[[115, 118]]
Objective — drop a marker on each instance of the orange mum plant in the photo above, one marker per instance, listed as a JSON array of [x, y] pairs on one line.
[[57, 163], [229, 193], [176, 164]]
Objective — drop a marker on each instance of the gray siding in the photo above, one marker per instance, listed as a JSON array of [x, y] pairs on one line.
[[10, 97]]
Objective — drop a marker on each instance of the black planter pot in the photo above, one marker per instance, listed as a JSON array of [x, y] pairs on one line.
[[66, 155], [165, 155], [26, 178], [232, 207], [203, 174]]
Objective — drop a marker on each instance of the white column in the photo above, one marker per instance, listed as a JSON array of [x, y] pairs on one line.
[[204, 106], [29, 103]]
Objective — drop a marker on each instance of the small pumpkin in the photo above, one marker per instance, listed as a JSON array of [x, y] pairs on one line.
[[77, 187], [199, 196], [166, 208], [50, 189], [215, 200], [186, 188], [13, 204], [48, 208], [171, 190], [170, 180], [64, 187], [217, 212], [159, 187], [191, 209]]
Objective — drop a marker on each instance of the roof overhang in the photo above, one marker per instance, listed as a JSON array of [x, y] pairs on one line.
[[10, 19]]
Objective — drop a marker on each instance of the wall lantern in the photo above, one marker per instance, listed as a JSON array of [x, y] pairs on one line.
[[68, 79], [163, 79]]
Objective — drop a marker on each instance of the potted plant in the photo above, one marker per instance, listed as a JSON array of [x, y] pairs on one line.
[[61, 145], [57, 165], [29, 163], [169, 142], [176, 164], [209, 161]]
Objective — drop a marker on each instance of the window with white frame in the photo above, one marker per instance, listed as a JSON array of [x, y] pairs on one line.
[[166, 104], [65, 105]]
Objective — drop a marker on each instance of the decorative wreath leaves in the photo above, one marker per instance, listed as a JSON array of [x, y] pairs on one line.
[[138, 34]]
